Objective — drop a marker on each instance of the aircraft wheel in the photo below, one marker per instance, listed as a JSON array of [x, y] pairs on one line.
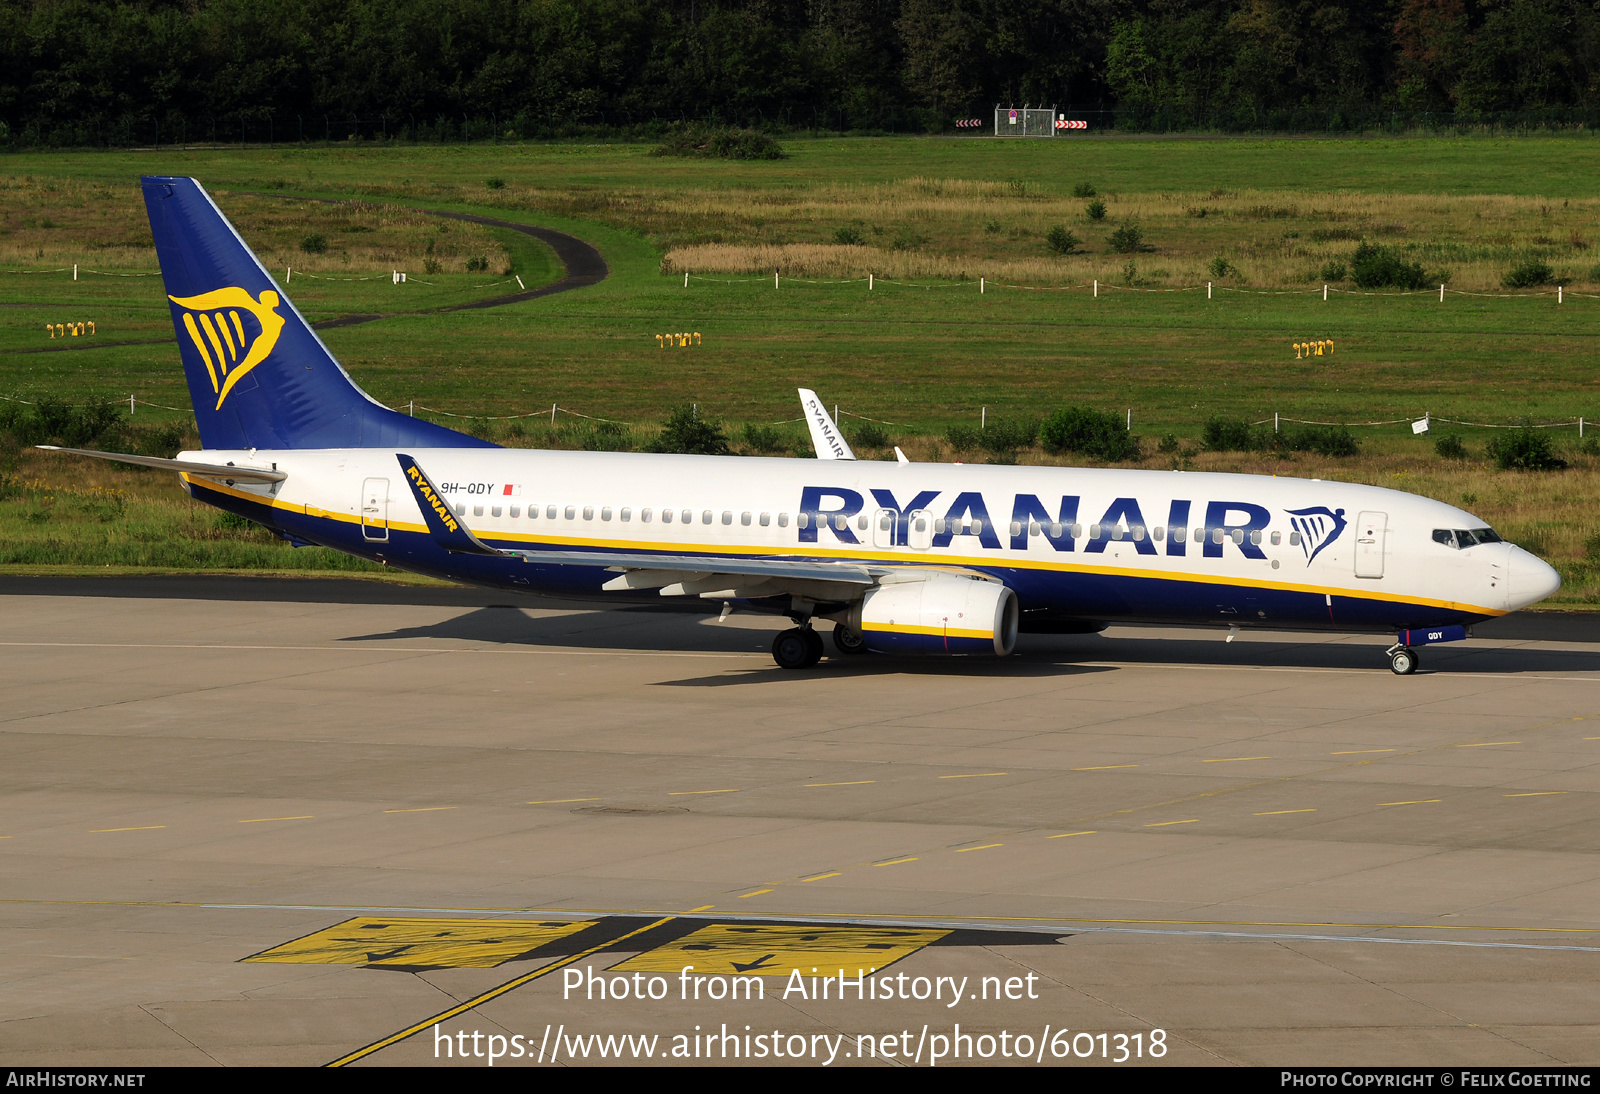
[[848, 641], [1403, 661], [813, 646], [792, 650]]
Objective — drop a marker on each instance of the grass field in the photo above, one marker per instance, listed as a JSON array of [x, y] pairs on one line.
[[921, 358]]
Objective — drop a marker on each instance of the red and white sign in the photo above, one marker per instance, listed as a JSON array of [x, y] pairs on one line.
[[512, 490], [970, 123], [1072, 125]]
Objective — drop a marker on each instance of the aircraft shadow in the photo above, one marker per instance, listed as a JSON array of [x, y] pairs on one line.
[[631, 628], [672, 629]]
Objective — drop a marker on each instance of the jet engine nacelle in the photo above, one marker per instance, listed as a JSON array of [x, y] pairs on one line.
[[942, 614]]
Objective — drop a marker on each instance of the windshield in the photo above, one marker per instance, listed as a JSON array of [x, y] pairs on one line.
[[1462, 538]]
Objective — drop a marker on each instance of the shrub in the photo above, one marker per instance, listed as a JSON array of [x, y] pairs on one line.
[[1525, 449], [1237, 435], [848, 237], [721, 143], [1169, 443], [992, 228], [602, 437], [314, 244], [1229, 435], [1083, 190], [1060, 241], [1221, 267], [908, 241], [1325, 440], [869, 435], [964, 438], [1526, 275], [1000, 438], [1126, 240], [762, 438], [51, 421], [1095, 210], [686, 431], [495, 182], [1450, 447], [477, 264], [1093, 433], [1374, 267], [430, 265], [1332, 271]]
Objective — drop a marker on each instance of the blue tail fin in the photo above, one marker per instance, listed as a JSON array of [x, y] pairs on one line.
[[258, 374]]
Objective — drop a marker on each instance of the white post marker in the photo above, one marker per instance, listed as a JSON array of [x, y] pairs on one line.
[[686, 279], [74, 271], [1324, 293], [1208, 290], [869, 282], [520, 285], [1130, 419], [1097, 288], [1441, 294], [288, 274], [130, 414], [774, 279], [1274, 421], [1558, 291], [980, 286], [552, 414], [983, 418]]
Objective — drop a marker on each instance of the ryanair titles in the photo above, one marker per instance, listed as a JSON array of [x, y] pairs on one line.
[[1241, 524], [426, 491]]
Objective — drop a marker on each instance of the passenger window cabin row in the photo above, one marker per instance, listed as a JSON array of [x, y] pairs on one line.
[[941, 525]]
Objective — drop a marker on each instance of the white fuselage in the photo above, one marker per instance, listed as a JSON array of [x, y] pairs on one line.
[[1101, 543]]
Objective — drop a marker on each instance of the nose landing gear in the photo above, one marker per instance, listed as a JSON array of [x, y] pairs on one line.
[[797, 648], [1402, 660]]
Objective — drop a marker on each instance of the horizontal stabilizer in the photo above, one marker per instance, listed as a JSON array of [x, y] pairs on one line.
[[207, 470], [447, 529]]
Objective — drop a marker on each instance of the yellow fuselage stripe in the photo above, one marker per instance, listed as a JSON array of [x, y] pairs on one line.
[[924, 560]]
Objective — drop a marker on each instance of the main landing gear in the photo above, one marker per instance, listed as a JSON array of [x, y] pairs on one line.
[[848, 641], [1402, 660], [797, 648]]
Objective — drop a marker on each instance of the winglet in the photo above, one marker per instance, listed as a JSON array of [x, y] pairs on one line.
[[825, 436], [900, 457], [447, 529]]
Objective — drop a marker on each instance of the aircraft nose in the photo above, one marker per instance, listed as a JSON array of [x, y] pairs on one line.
[[1532, 579]]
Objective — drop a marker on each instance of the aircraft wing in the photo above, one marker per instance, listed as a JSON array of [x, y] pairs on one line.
[[646, 565]]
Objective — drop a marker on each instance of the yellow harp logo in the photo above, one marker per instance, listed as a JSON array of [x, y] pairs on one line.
[[218, 330]]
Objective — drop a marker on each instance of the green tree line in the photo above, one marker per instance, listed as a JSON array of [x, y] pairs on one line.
[[78, 71]]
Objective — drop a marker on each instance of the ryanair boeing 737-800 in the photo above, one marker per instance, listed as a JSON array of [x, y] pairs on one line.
[[901, 557]]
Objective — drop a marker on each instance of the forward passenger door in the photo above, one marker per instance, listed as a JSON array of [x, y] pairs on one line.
[[1370, 532]]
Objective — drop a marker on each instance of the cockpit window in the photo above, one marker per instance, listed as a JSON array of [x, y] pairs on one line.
[[1462, 538]]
